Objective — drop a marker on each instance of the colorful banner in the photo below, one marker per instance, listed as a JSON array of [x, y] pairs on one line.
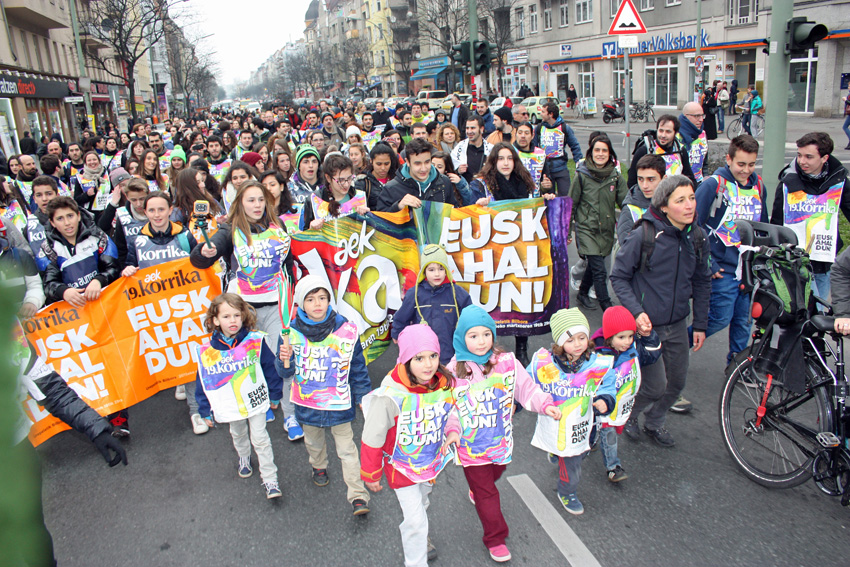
[[814, 218], [372, 138], [321, 208], [573, 395], [511, 256], [321, 369], [138, 338]]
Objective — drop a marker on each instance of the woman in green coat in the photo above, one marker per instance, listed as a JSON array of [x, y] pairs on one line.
[[598, 191]]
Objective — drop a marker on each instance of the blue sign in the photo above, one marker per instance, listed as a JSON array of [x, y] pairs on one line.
[[609, 49], [432, 62]]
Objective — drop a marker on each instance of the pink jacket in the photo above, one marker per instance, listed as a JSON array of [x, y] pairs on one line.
[[526, 390]]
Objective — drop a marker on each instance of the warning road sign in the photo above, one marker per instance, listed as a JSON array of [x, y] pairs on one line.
[[627, 21]]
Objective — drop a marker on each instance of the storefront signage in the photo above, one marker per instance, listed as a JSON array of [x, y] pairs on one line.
[[668, 42], [566, 50], [73, 99], [12, 86], [433, 62], [517, 57]]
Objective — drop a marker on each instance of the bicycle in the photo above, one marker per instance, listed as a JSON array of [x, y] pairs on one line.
[[783, 410], [736, 127], [642, 111]]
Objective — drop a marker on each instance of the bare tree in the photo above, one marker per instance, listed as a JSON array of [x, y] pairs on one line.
[[405, 48], [353, 59], [129, 28], [495, 26], [443, 23]]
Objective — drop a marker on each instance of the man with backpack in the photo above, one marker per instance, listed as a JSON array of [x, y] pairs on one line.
[[555, 136], [663, 142], [661, 267], [812, 189], [693, 137]]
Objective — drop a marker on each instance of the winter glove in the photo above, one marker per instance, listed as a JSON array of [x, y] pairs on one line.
[[104, 442]]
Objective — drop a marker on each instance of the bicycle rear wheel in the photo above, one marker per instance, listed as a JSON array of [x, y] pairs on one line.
[[734, 129], [757, 126], [778, 451]]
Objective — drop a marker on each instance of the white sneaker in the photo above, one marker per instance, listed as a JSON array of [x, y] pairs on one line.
[[180, 393], [199, 426]]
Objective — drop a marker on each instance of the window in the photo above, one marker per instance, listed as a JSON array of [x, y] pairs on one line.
[[383, 59], [532, 18], [585, 80], [620, 79], [584, 11], [674, 2], [801, 82], [647, 5], [37, 52], [379, 6], [662, 77], [520, 23], [26, 48], [58, 59], [743, 12], [380, 31], [547, 14], [48, 55], [565, 12], [615, 6]]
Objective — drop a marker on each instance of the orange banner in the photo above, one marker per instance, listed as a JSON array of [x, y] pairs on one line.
[[138, 338]]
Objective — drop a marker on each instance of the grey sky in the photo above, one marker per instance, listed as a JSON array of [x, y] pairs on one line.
[[247, 32]]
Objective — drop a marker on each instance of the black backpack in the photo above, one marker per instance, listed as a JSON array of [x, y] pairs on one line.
[[647, 245]]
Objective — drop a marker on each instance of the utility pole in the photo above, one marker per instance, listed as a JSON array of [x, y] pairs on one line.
[[776, 92], [80, 57], [472, 8]]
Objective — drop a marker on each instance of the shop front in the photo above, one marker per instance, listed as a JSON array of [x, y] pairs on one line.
[[31, 103], [433, 74]]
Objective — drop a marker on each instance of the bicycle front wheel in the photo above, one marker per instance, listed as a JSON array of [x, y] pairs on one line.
[[734, 129], [757, 126], [649, 115], [778, 450]]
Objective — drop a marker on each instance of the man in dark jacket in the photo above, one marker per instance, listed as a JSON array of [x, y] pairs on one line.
[[657, 287], [555, 136], [459, 115], [381, 115], [663, 142], [651, 170], [82, 258], [28, 144], [811, 191], [693, 137], [417, 181]]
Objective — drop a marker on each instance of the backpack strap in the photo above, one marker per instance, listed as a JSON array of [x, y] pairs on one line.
[[183, 241], [647, 244]]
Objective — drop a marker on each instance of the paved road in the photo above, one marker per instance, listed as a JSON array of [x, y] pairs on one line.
[[179, 502]]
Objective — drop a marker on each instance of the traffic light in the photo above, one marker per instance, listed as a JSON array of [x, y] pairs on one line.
[[481, 56], [803, 34], [460, 53]]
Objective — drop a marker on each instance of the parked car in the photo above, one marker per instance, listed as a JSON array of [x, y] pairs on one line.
[[534, 106], [499, 102], [431, 97], [465, 99], [370, 102]]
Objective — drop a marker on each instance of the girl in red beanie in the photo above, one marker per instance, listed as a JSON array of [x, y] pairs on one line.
[[617, 338]]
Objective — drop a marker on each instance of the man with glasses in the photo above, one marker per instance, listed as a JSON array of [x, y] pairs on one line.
[[692, 135], [520, 114]]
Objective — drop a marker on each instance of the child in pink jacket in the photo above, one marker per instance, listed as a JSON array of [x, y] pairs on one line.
[[488, 380]]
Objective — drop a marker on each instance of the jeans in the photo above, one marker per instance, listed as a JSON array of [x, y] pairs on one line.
[[745, 122], [414, 529], [729, 306], [721, 119], [190, 397], [821, 287], [662, 382], [346, 450], [846, 128], [597, 275], [259, 439], [608, 443], [268, 321], [569, 474], [482, 482]]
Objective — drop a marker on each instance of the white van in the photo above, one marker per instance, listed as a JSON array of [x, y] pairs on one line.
[[431, 97]]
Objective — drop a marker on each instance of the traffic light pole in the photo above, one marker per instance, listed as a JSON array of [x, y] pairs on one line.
[[472, 8], [776, 93]]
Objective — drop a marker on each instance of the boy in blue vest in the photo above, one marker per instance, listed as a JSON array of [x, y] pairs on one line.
[[324, 346]]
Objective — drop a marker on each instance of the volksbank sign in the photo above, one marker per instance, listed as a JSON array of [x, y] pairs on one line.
[[668, 42]]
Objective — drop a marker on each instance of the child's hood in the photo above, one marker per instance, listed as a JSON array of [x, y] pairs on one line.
[[433, 254]]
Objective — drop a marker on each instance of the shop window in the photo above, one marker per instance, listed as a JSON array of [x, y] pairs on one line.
[[801, 82], [662, 76], [584, 11], [8, 132], [743, 12], [620, 79], [586, 81], [565, 12]]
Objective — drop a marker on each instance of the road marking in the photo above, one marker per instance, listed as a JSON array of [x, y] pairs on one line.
[[553, 523]]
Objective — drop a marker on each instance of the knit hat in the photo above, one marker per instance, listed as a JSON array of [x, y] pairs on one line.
[[305, 150], [326, 114], [119, 175], [471, 316], [414, 339], [433, 254], [179, 153], [352, 131], [617, 319], [251, 158], [505, 114], [568, 322], [307, 284]]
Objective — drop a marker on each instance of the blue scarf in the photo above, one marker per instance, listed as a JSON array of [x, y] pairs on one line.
[[687, 129], [471, 316]]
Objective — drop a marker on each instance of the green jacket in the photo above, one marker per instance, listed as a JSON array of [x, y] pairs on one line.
[[594, 215]]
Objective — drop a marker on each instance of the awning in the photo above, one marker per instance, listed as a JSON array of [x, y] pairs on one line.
[[374, 86], [428, 73]]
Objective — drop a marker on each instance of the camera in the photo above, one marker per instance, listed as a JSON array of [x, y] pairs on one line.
[[202, 208]]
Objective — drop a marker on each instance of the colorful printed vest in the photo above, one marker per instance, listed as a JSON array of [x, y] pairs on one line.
[[128, 223], [696, 154], [672, 162], [16, 214], [741, 203], [36, 234], [552, 141], [110, 162], [573, 395], [149, 253], [486, 410], [533, 162], [238, 151], [420, 431], [26, 189], [321, 369], [101, 193], [814, 218], [219, 170], [260, 261], [165, 161], [233, 379], [627, 376], [635, 212]]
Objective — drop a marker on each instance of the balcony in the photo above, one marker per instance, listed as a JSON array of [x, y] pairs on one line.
[[43, 14], [90, 39], [399, 4]]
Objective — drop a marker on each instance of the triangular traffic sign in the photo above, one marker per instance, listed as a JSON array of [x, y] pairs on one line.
[[627, 21]]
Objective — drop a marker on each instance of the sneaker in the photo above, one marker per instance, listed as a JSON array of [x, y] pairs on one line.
[[500, 553], [293, 428], [180, 393], [245, 469], [617, 474], [592, 293], [269, 415], [661, 436], [553, 458], [272, 489], [199, 426], [585, 301], [360, 507], [682, 406], [432, 551], [632, 429], [471, 498], [320, 477], [572, 504]]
